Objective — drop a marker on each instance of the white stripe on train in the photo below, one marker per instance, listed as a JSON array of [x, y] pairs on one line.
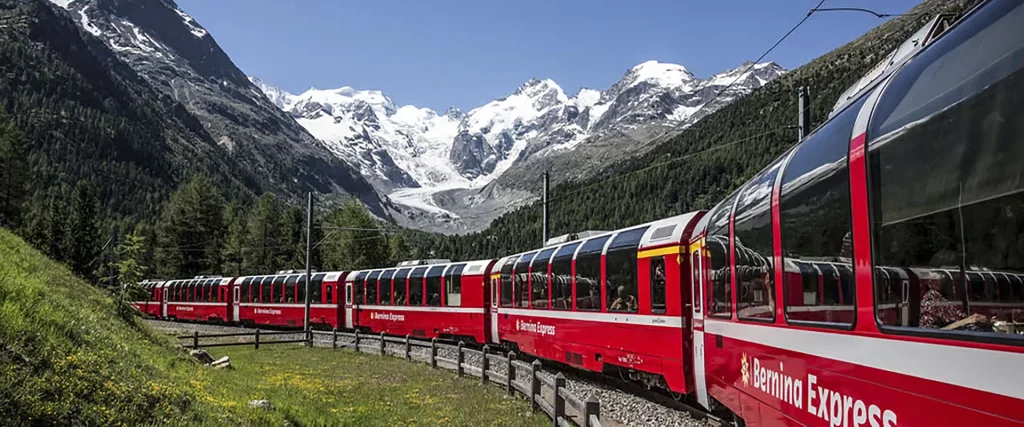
[[992, 371]]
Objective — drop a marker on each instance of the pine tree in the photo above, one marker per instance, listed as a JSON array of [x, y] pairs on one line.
[[399, 249], [191, 230], [14, 174], [147, 258], [84, 230], [294, 222], [354, 249], [265, 235], [237, 220], [128, 267]]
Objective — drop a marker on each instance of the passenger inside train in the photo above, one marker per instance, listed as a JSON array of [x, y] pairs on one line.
[[624, 302]]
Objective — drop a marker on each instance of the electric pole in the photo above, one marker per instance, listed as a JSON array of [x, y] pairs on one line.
[[804, 105], [309, 260], [545, 235]]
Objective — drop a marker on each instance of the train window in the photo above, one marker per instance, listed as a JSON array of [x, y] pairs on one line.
[[248, 291], [453, 285], [561, 277], [506, 282], [386, 286], [718, 272], [208, 288], [657, 274], [315, 288], [329, 294], [401, 286], [373, 287], [695, 281], [289, 292], [753, 247], [946, 185], [588, 274], [267, 289], [539, 278], [433, 282], [816, 223], [359, 283], [277, 290], [521, 280], [416, 286], [621, 271]]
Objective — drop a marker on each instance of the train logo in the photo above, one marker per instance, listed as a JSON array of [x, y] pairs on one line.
[[745, 370]]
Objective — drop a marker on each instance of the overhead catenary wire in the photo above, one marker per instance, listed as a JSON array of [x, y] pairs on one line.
[[749, 67]]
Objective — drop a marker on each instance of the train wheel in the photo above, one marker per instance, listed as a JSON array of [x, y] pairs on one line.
[[679, 397]]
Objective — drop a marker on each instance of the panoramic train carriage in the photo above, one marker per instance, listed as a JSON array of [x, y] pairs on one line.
[[152, 305], [280, 300], [199, 299], [611, 302], [446, 300], [898, 225]]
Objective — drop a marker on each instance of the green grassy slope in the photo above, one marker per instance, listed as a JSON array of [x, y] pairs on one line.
[[68, 358]]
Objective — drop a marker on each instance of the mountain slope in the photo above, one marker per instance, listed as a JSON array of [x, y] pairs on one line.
[[181, 59], [87, 115], [703, 169]]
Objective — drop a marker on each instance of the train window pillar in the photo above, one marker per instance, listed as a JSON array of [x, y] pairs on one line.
[[658, 279]]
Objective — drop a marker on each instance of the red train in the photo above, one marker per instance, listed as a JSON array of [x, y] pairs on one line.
[[898, 225]]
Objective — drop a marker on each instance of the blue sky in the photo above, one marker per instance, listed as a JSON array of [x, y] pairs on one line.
[[439, 53]]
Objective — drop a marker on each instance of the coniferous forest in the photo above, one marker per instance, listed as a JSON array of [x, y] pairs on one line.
[[96, 167]]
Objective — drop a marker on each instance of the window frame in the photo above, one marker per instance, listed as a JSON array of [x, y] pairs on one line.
[[664, 284], [522, 260], [625, 246], [592, 247], [564, 254], [421, 287], [547, 277], [453, 280], [390, 287], [440, 269], [993, 11]]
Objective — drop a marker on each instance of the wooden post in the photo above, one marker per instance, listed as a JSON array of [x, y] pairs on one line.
[[559, 400], [257, 339], [510, 370], [309, 337], [357, 341], [195, 340], [334, 338], [485, 364], [534, 385], [408, 348], [459, 359], [591, 407], [433, 353], [382, 352]]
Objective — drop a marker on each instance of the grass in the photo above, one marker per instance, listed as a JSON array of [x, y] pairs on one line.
[[68, 358], [335, 387]]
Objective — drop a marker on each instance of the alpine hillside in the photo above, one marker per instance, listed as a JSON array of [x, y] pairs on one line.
[[179, 58], [464, 168]]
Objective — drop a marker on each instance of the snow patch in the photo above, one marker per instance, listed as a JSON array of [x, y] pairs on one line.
[[422, 199], [192, 25], [661, 74], [63, 3], [92, 29]]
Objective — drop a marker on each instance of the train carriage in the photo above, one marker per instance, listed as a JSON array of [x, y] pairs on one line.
[[198, 299], [279, 300], [446, 300], [152, 305], [897, 224], [611, 302]]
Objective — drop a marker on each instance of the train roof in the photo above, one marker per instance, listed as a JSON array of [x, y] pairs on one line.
[[475, 267]]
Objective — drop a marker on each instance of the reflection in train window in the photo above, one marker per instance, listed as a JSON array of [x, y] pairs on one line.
[[946, 186], [521, 280], [717, 268], [816, 225], [753, 247]]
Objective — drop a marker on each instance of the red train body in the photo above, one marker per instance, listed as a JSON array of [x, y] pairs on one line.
[[897, 225]]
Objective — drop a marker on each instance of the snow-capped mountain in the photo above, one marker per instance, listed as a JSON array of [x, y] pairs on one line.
[[410, 147], [177, 56]]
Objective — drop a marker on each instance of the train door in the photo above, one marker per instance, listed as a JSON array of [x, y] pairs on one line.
[[349, 315], [495, 294], [236, 299], [163, 300], [697, 284]]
